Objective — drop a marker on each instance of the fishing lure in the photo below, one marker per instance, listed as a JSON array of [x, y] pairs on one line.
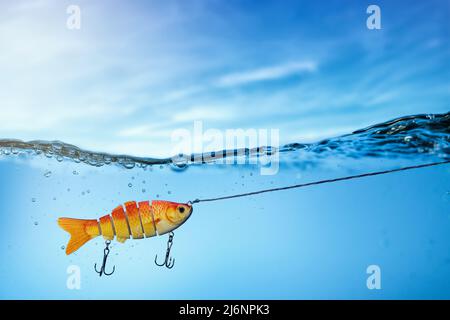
[[136, 220]]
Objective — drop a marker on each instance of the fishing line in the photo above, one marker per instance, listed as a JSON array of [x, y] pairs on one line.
[[376, 173]]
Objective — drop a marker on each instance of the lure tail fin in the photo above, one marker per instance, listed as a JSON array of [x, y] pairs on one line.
[[81, 231]]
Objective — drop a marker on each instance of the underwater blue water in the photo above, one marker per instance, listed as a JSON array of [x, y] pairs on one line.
[[135, 71], [310, 243]]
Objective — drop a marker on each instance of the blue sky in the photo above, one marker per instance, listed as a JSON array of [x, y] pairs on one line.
[[137, 70]]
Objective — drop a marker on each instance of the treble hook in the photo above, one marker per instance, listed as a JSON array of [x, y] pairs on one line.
[[105, 257], [168, 262]]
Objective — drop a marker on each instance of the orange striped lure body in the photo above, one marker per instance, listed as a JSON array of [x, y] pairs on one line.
[[138, 220]]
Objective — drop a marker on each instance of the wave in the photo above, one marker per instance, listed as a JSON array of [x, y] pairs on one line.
[[408, 136]]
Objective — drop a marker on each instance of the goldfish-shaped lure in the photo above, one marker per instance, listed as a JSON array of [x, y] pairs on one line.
[[136, 219]]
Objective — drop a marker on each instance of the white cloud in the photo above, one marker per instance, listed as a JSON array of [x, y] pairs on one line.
[[177, 95], [267, 73], [203, 113], [145, 131], [29, 5]]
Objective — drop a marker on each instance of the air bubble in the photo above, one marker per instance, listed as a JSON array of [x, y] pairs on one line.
[[130, 185], [33, 199], [179, 162], [127, 163], [47, 174], [36, 223]]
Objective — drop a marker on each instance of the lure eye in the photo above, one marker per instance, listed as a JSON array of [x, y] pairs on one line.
[[181, 209]]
